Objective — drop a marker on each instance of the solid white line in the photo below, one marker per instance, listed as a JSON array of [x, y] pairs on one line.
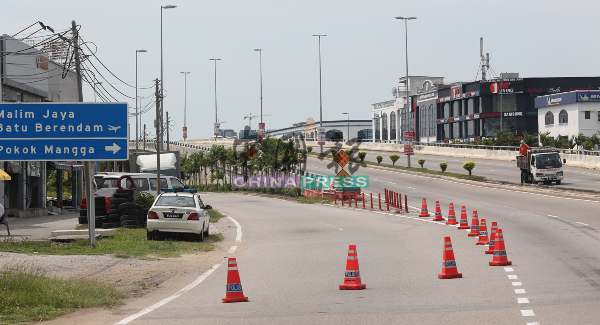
[[238, 238], [527, 312], [175, 295], [516, 284], [517, 291], [535, 323], [585, 224], [232, 249], [522, 300], [512, 277], [552, 216]]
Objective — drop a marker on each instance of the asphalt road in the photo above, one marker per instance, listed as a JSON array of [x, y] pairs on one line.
[[292, 257]]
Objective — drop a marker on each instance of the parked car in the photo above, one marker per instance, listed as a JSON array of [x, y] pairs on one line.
[[178, 213], [145, 182]]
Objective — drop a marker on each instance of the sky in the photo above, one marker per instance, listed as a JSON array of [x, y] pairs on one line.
[[362, 56]]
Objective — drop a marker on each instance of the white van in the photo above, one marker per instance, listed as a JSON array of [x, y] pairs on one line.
[[145, 182]]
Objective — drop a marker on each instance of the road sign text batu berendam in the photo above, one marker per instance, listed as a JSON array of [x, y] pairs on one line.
[[63, 131]]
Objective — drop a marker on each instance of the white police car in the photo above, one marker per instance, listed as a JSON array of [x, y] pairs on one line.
[[178, 212]]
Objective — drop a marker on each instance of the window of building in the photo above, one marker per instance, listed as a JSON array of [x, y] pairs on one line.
[[384, 126], [446, 110], [423, 118], [549, 118], [470, 132], [365, 134], [470, 106], [455, 109], [334, 135], [587, 115], [563, 117], [432, 118], [404, 120], [393, 126], [508, 103], [446, 129], [411, 121], [598, 115], [377, 129], [456, 130]]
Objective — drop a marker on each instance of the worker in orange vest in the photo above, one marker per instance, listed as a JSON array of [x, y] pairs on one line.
[[523, 148]]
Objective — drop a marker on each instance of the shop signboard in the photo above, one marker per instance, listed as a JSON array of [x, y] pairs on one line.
[[185, 132], [506, 86], [409, 135], [216, 127], [408, 150]]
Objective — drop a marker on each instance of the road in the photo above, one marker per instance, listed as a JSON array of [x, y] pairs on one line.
[[291, 259]]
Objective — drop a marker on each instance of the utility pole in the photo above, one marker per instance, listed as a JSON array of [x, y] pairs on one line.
[[167, 131], [91, 213], [158, 136], [144, 136]]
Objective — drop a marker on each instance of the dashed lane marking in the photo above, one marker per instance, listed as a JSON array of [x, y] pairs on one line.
[[519, 291], [516, 284], [581, 223], [527, 312], [522, 300], [512, 277], [232, 249]]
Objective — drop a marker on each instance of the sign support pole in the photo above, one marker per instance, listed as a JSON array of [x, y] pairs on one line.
[[91, 201]]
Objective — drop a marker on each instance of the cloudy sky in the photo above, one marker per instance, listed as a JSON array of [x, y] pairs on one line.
[[362, 54]]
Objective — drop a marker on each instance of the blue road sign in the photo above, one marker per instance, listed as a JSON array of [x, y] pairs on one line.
[[64, 131]]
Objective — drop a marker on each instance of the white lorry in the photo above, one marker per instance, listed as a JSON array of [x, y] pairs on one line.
[[541, 165], [145, 162]]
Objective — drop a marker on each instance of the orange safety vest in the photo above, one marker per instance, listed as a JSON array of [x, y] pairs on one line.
[[523, 149]]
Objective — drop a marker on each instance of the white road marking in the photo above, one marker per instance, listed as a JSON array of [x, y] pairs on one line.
[[516, 284], [522, 300], [585, 224], [238, 238], [512, 277], [232, 249], [518, 291], [527, 312], [552, 216], [173, 296], [536, 323]]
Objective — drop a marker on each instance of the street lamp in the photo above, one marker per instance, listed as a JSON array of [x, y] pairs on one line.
[[406, 54], [185, 102], [161, 71], [261, 93], [320, 88], [348, 135], [137, 112], [216, 120], [96, 83]]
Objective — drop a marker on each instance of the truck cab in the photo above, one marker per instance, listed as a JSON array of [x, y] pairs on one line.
[[541, 165]]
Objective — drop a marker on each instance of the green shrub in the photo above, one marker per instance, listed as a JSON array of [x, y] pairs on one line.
[[394, 158], [309, 148], [144, 198], [443, 166], [349, 152], [362, 155], [469, 165], [333, 152], [379, 158], [421, 162]]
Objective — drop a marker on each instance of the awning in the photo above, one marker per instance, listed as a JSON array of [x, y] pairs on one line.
[[4, 176], [68, 165]]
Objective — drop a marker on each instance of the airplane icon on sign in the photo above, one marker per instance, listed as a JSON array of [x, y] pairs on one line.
[[113, 128]]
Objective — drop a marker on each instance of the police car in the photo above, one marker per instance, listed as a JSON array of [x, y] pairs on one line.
[[180, 212]]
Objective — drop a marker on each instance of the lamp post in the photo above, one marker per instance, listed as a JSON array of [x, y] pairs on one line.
[[406, 19], [261, 93], [137, 112], [185, 101], [320, 89], [348, 135], [216, 120], [161, 71]]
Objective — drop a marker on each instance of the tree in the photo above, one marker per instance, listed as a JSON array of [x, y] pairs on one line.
[[362, 155], [443, 166], [379, 158], [394, 157], [469, 165], [421, 162]]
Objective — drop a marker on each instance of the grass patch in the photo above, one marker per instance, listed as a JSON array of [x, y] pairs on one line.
[[215, 215], [414, 169], [125, 242], [216, 237], [27, 295]]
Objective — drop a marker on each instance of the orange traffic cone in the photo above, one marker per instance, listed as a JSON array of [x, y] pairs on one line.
[[492, 238], [424, 212], [352, 279], [438, 212], [500, 257], [234, 285], [449, 264], [474, 225], [483, 235], [464, 222], [451, 216]]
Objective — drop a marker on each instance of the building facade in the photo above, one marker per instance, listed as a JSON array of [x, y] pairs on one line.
[[339, 130], [569, 114]]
